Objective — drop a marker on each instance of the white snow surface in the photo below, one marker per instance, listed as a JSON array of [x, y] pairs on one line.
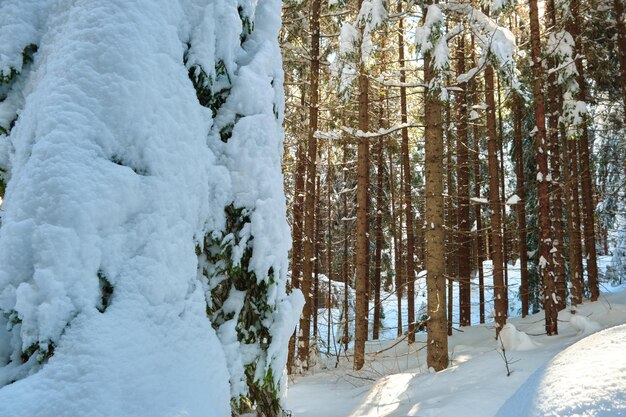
[[395, 381], [586, 379], [110, 175], [512, 339]]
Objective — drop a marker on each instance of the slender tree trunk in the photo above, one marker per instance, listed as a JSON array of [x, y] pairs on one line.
[[494, 203], [573, 210], [618, 9], [362, 226], [521, 204], [408, 205], [397, 241], [309, 199], [450, 219], [346, 261], [545, 241], [329, 251], [379, 237], [463, 205], [318, 245], [297, 227], [505, 252], [477, 207], [556, 191], [437, 342], [585, 164]]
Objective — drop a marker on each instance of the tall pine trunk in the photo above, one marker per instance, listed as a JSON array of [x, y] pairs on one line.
[[495, 203], [545, 240], [521, 204], [362, 226], [573, 25], [408, 205], [309, 199], [437, 342], [397, 241], [618, 9], [464, 241]]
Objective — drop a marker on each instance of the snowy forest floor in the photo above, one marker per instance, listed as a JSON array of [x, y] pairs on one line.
[[395, 380]]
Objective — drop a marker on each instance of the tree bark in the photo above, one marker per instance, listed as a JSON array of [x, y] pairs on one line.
[[329, 251], [309, 199], [521, 205], [397, 242], [379, 238], [545, 240], [570, 154], [297, 227], [573, 25], [618, 9], [505, 252], [346, 260], [437, 341], [494, 203], [463, 205], [477, 207], [362, 226], [556, 191], [408, 205], [318, 245]]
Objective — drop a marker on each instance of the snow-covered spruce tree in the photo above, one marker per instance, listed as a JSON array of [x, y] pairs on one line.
[[237, 74], [117, 178]]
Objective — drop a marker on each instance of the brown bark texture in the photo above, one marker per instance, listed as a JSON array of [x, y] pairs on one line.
[[437, 340], [545, 240]]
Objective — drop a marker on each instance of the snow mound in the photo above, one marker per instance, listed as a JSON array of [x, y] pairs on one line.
[[586, 379], [583, 324], [514, 340]]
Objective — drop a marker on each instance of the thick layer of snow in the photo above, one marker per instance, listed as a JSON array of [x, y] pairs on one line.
[[395, 381], [116, 174], [586, 379], [513, 340]]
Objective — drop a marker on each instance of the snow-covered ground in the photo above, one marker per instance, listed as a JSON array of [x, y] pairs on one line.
[[396, 381]]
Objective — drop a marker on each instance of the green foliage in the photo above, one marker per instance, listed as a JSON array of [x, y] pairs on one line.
[[27, 58], [106, 291], [228, 256], [43, 352], [247, 25], [203, 85]]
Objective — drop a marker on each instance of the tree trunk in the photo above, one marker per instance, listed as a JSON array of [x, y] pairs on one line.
[[556, 191], [297, 227], [437, 342], [494, 203], [463, 207], [318, 258], [618, 9], [521, 204], [545, 241], [329, 251], [379, 237], [572, 200], [477, 207], [585, 165], [397, 241], [346, 263], [309, 199], [362, 226], [450, 218], [505, 252], [408, 205]]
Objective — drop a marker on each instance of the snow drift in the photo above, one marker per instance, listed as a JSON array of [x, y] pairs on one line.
[[586, 379]]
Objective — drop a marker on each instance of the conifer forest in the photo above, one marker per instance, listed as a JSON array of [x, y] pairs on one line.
[[307, 208]]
